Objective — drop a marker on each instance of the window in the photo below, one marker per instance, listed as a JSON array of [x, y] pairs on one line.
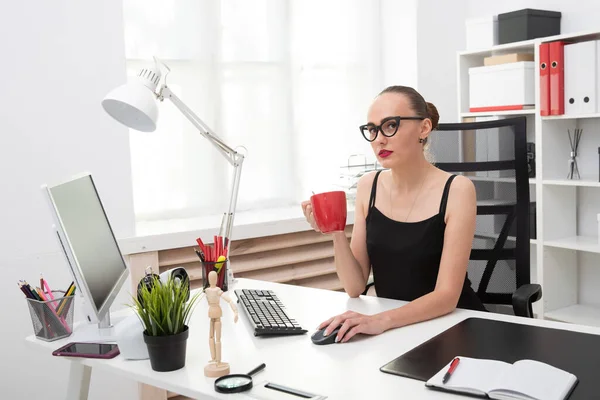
[[289, 80]]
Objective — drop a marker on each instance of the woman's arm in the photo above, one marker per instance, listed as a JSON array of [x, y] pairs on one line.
[[352, 262], [458, 238]]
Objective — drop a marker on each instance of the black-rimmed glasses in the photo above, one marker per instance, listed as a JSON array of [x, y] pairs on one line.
[[389, 127]]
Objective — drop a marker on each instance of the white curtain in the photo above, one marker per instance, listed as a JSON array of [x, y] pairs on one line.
[[289, 80]]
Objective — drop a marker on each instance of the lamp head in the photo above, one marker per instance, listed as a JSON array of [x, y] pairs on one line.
[[134, 103]]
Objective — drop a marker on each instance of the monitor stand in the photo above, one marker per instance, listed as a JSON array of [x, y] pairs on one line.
[[102, 332]]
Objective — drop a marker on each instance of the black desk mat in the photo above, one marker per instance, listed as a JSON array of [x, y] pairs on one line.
[[575, 352]]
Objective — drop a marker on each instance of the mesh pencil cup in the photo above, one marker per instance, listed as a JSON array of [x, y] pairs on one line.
[[52, 319], [222, 280]]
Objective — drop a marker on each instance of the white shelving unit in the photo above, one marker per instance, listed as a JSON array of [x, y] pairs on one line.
[[582, 116], [566, 254], [568, 182], [576, 314], [512, 113], [580, 243]]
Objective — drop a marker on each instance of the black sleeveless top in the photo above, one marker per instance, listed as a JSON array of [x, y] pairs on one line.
[[405, 256]]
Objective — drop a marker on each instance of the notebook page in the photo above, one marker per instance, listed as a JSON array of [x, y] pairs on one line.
[[472, 375], [538, 380]]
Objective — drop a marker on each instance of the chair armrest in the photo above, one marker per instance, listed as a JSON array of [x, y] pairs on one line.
[[524, 297]]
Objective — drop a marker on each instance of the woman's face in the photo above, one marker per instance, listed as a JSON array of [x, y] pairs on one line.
[[404, 146]]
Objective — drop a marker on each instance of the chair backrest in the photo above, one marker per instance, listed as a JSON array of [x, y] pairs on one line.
[[494, 155]]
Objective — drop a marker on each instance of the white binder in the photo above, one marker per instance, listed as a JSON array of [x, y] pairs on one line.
[[580, 78]]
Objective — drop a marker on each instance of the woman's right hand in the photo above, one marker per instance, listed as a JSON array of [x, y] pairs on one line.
[[308, 214]]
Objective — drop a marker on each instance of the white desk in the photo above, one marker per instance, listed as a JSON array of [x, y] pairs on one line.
[[339, 371]]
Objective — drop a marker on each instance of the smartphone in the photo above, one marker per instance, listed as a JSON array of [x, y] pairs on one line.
[[88, 350]]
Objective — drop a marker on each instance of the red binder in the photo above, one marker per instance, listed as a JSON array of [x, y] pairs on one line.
[[544, 79], [557, 78]]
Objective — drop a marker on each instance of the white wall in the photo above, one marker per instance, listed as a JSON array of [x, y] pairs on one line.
[[399, 43], [440, 33], [59, 58]]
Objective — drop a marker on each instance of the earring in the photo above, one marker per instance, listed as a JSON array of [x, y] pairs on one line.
[[421, 140]]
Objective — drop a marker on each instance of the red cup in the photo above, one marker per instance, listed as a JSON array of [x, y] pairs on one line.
[[329, 210]]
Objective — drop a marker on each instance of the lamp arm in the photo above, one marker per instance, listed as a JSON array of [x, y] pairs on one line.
[[205, 131], [237, 172], [234, 157]]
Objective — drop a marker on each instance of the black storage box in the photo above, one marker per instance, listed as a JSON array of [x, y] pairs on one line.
[[527, 24]]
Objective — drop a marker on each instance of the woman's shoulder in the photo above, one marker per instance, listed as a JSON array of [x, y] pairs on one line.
[[364, 188], [461, 192], [461, 184], [367, 179], [460, 189]]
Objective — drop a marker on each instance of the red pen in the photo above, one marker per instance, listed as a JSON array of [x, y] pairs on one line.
[[453, 366]]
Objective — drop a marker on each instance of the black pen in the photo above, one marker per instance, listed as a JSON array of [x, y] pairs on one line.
[[200, 255], [453, 366]]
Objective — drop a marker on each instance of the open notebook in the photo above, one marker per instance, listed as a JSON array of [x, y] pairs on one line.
[[525, 379]]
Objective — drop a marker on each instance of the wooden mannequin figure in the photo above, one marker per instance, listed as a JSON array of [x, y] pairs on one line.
[[215, 367]]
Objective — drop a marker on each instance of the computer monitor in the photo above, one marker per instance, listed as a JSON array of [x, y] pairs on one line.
[[89, 245]]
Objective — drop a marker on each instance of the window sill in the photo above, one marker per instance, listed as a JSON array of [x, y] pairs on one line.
[[177, 233]]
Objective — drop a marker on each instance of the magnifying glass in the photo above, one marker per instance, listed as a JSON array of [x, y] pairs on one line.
[[235, 383]]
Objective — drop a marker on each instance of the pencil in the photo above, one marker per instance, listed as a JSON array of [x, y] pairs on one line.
[[48, 290], [29, 292], [23, 289], [40, 293], [65, 301], [35, 294]]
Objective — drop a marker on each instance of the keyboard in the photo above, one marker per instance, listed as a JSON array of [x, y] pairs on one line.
[[267, 313]]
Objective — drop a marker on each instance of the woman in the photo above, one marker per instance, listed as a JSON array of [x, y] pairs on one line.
[[414, 224]]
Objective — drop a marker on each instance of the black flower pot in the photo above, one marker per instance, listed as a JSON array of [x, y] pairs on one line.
[[167, 353]]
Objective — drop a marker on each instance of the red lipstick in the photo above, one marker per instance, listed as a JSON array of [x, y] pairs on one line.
[[385, 153]]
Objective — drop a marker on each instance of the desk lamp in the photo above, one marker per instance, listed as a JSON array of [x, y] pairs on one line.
[[134, 105]]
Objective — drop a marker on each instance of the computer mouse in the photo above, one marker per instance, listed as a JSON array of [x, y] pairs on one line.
[[318, 338]]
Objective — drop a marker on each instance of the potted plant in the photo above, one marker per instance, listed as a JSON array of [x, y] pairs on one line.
[[164, 310]]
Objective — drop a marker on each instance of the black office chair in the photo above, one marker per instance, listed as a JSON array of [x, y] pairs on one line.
[[499, 266]]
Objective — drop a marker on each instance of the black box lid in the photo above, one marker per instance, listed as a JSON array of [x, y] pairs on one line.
[[530, 12]]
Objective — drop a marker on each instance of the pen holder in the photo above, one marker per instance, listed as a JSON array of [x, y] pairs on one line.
[[52, 319], [222, 280]]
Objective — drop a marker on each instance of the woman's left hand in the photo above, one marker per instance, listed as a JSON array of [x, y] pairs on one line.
[[353, 323]]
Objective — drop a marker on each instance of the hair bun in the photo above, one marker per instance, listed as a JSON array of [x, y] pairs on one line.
[[433, 115]]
